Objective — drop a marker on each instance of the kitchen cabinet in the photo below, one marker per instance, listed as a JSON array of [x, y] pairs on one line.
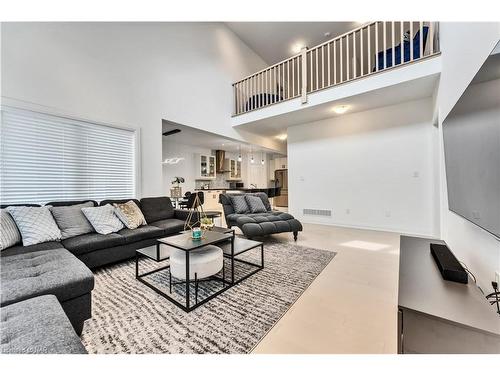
[[205, 167], [233, 168], [212, 200]]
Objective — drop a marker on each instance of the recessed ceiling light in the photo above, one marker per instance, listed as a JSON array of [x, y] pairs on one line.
[[297, 47], [340, 109], [327, 34], [281, 137]]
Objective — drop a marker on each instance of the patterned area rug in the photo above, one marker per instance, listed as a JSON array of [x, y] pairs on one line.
[[129, 317]]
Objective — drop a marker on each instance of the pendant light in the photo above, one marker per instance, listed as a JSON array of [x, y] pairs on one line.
[[251, 160], [239, 153], [262, 158]]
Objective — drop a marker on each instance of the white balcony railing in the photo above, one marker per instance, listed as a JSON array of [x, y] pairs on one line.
[[369, 49]]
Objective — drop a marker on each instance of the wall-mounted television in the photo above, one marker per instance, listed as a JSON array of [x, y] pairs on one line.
[[472, 149]]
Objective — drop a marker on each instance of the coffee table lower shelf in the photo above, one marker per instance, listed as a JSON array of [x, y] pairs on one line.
[[231, 248]]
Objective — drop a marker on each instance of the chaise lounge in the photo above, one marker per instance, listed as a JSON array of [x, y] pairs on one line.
[[252, 213]]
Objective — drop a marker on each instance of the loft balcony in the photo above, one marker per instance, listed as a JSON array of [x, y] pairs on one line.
[[310, 78]]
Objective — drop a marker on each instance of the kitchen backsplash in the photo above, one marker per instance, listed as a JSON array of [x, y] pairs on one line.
[[218, 182]]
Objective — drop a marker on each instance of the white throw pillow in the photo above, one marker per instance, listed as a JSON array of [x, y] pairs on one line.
[[9, 234], [36, 224], [103, 219]]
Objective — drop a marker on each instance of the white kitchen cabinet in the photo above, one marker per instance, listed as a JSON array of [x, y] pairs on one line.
[[233, 169], [205, 167], [211, 198]]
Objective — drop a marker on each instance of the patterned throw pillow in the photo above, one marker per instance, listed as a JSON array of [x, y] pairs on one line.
[[239, 204], [9, 234], [255, 203], [71, 220], [130, 214], [103, 219], [36, 224]]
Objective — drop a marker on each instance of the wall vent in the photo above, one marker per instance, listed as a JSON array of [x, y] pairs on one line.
[[311, 211]]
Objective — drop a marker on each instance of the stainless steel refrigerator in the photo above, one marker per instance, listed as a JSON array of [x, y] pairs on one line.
[[281, 181]]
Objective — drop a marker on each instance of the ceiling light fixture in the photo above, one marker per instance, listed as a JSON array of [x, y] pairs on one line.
[[282, 137], [297, 47], [340, 109], [239, 152]]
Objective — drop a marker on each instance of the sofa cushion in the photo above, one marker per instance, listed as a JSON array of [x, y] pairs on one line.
[[9, 234], [34, 274], [71, 220], [239, 204], [130, 214], [91, 242], [169, 226], [103, 219], [158, 208], [38, 326], [141, 233], [35, 224], [20, 249], [255, 204]]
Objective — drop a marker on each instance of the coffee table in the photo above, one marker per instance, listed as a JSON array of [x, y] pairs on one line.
[[231, 246]]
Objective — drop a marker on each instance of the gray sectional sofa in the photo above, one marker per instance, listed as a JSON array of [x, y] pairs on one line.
[[255, 222], [62, 270]]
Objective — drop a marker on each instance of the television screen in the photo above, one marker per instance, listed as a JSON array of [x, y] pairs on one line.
[[472, 149]]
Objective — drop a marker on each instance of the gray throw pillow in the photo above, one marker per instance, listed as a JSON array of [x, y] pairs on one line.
[[36, 224], [239, 204], [103, 219], [71, 220], [255, 203], [9, 234], [265, 199]]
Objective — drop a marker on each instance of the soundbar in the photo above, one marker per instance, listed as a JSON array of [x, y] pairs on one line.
[[448, 265]]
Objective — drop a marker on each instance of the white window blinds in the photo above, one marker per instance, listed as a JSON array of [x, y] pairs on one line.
[[48, 158]]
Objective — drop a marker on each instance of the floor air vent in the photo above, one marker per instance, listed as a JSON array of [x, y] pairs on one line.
[[310, 211]]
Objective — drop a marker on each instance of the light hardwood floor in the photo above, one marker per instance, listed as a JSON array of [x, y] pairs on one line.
[[351, 307]]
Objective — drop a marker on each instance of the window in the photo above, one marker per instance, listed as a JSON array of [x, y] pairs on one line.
[[46, 158]]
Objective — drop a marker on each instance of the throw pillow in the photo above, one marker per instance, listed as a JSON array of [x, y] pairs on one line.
[[71, 220], [35, 224], [255, 204], [239, 204], [130, 214], [103, 219], [265, 200], [9, 234]]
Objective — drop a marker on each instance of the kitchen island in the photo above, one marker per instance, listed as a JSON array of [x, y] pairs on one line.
[[270, 191]]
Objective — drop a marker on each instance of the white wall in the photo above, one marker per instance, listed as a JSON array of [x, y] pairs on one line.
[[478, 249], [133, 74], [374, 169]]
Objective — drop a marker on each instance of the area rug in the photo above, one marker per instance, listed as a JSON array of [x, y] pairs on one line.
[[129, 317]]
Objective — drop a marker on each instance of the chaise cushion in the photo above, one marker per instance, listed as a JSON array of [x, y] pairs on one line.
[[141, 233], [37, 326], [54, 271], [87, 243], [169, 226], [158, 208], [20, 249], [262, 224]]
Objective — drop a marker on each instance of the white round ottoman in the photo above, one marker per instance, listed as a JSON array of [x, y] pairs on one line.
[[204, 262]]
